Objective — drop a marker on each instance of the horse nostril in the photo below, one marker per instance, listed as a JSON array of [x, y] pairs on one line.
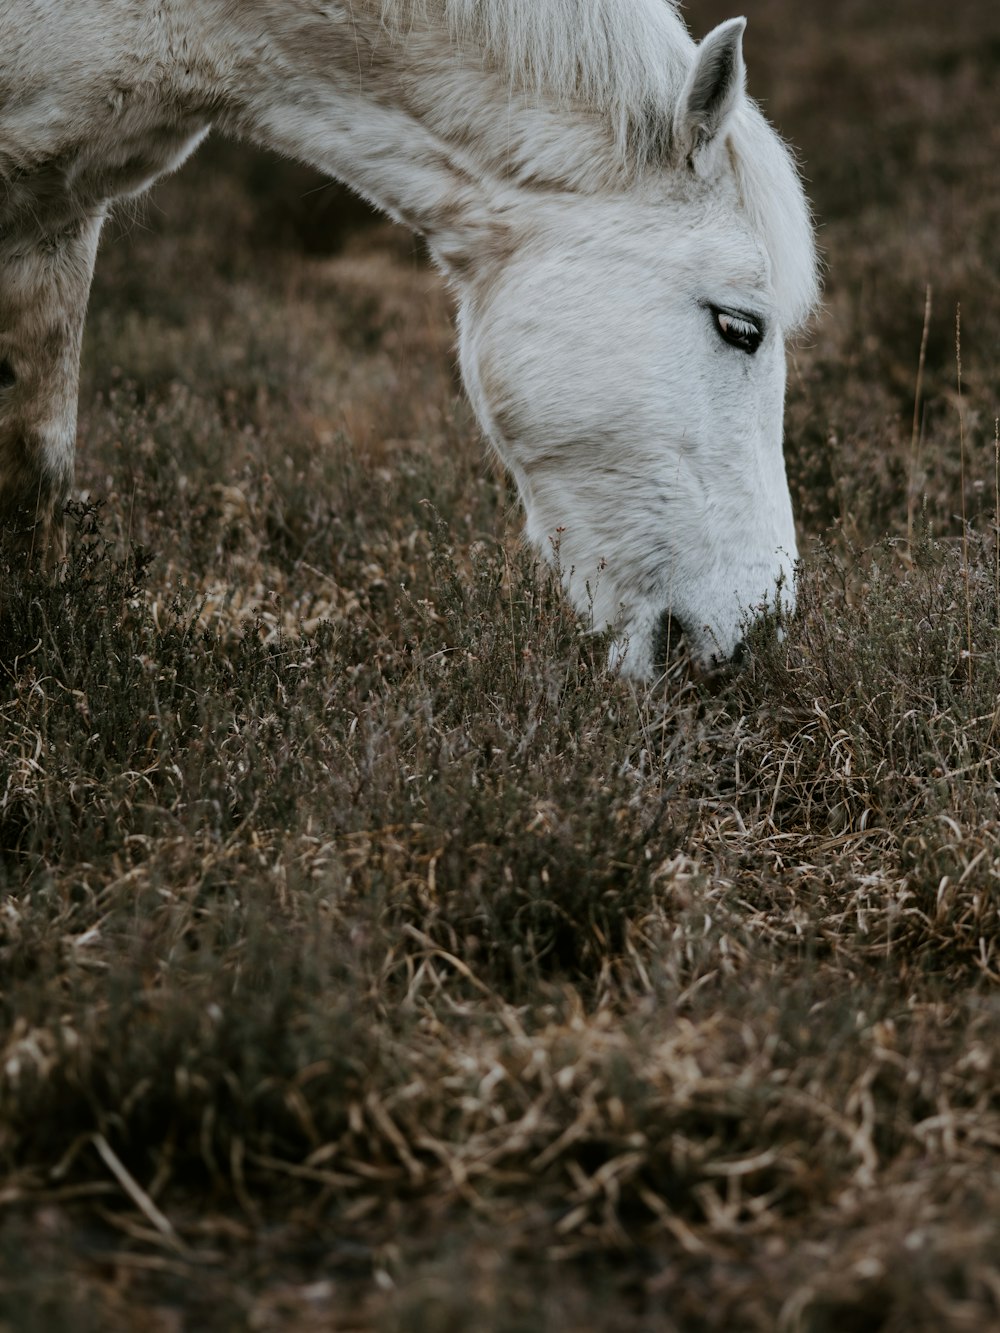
[[7, 376], [668, 638]]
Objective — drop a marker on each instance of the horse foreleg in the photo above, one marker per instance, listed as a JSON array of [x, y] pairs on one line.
[[44, 285]]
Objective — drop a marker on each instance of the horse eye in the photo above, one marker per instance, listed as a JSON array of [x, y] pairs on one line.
[[741, 331]]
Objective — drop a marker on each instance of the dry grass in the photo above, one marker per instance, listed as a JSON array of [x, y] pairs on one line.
[[370, 959]]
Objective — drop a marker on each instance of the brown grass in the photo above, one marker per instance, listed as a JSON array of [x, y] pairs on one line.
[[369, 958]]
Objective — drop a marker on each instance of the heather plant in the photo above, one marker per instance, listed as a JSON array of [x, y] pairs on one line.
[[371, 956]]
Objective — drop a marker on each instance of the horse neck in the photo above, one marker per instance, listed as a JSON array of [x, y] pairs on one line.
[[421, 127]]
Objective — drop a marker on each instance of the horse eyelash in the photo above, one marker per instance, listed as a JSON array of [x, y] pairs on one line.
[[748, 333]]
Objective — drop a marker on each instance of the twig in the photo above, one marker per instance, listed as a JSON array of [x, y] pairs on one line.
[[136, 1193], [916, 431], [961, 463]]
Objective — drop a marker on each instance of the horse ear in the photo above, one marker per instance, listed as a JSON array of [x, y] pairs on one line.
[[711, 94]]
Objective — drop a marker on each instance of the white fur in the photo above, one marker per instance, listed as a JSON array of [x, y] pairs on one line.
[[592, 182]]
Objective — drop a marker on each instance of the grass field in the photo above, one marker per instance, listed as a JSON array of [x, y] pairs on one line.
[[369, 957]]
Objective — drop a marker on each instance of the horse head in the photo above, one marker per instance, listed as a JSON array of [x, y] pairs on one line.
[[625, 353]]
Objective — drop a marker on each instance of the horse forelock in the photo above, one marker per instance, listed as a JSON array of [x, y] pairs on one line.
[[775, 205]]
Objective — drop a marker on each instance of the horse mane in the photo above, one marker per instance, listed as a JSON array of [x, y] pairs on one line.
[[628, 60], [625, 58]]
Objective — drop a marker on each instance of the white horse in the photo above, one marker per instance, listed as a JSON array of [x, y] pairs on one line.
[[627, 238]]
